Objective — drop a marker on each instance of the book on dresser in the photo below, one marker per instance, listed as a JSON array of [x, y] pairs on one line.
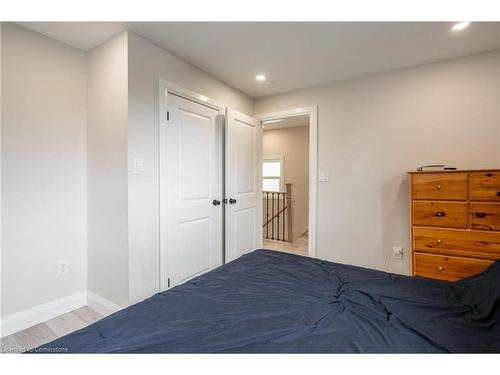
[[454, 222]]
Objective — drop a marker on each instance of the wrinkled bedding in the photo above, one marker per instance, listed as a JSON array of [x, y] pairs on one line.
[[272, 302]]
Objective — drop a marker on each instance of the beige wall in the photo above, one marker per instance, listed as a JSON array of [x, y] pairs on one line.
[[372, 130], [1, 241], [293, 145], [148, 63], [43, 168], [66, 149], [107, 170]]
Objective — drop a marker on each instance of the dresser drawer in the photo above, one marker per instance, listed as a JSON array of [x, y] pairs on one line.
[[457, 242], [440, 214], [485, 216], [447, 267], [447, 186], [485, 186]]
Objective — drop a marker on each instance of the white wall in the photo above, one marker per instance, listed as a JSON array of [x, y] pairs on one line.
[[147, 63], [65, 157], [374, 129], [108, 268], [371, 131], [293, 145], [43, 168], [498, 100], [1, 242]]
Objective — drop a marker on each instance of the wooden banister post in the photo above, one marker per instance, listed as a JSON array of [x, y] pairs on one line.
[[289, 209]]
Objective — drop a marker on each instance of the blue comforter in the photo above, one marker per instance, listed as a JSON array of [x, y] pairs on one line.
[[271, 302]]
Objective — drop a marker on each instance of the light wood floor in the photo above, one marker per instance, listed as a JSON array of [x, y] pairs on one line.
[[48, 331], [299, 247]]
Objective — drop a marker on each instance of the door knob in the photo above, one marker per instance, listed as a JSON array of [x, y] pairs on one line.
[[215, 202], [232, 201]]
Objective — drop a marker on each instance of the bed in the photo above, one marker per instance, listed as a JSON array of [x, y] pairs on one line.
[[272, 302]]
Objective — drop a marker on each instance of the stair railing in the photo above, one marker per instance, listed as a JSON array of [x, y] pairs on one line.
[[278, 215]]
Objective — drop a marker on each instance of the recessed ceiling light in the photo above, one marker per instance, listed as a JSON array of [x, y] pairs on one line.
[[271, 121], [260, 77], [460, 26]]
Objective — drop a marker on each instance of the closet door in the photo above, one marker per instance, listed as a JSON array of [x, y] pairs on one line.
[[243, 203], [190, 191]]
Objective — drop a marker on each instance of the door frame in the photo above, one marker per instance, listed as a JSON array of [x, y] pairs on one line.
[[164, 88], [312, 112]]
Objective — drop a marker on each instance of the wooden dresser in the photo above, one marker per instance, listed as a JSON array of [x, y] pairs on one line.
[[454, 222]]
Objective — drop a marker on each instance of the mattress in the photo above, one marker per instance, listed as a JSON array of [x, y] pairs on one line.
[[272, 302]]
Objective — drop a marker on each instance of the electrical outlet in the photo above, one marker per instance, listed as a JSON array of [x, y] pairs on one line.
[[397, 252], [62, 267]]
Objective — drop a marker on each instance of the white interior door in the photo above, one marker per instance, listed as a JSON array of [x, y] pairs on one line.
[[243, 193], [190, 187]]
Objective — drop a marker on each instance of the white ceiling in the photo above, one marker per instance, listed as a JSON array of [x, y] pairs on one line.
[[82, 35], [292, 55]]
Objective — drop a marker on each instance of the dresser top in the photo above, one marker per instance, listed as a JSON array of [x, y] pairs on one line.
[[456, 171]]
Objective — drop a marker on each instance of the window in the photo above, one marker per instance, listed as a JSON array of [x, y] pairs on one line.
[[272, 174]]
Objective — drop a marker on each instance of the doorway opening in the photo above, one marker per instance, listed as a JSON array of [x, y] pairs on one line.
[[288, 181]]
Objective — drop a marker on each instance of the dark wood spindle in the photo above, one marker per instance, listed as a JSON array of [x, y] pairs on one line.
[[272, 222], [267, 214], [279, 213], [284, 216]]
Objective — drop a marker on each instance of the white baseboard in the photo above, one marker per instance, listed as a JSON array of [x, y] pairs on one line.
[[35, 315], [101, 304]]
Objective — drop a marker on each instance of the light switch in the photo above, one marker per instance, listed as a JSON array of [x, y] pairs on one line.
[[138, 166], [323, 176]]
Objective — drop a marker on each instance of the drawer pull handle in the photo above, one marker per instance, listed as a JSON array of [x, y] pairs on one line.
[[440, 241], [440, 268], [498, 193], [438, 187], [480, 214], [440, 214]]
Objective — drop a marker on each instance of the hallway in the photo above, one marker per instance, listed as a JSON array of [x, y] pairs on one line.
[[299, 247]]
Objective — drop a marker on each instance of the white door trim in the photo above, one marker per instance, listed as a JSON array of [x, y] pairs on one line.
[[164, 88], [312, 112]]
